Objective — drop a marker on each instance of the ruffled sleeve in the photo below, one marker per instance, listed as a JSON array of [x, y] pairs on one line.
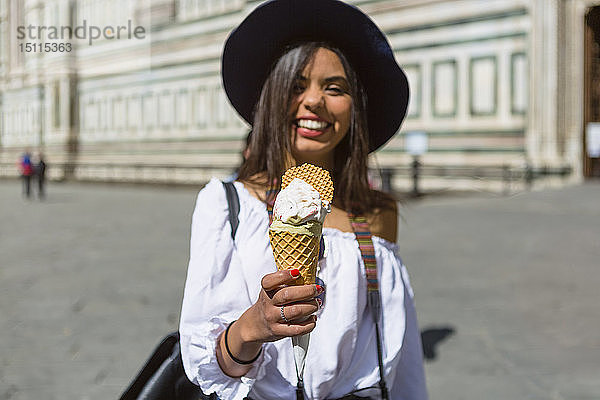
[[216, 293]]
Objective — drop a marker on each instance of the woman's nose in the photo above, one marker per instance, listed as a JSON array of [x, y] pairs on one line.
[[313, 98]]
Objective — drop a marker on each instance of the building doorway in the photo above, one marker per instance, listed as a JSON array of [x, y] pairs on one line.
[[591, 114]]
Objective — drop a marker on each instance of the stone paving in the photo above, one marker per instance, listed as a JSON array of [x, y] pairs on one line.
[[506, 289]]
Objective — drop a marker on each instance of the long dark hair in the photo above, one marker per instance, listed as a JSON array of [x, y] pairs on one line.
[[270, 147]]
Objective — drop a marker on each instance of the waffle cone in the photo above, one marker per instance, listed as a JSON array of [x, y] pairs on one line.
[[315, 176], [295, 250]]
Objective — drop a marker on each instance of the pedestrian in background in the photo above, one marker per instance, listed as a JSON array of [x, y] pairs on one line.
[[40, 174], [26, 170]]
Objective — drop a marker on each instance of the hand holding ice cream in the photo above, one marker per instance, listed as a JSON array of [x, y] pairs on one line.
[[295, 233]]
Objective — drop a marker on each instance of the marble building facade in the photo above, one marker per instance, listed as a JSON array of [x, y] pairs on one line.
[[497, 85]]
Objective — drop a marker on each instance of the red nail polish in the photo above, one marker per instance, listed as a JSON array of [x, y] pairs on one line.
[[319, 288], [295, 273]]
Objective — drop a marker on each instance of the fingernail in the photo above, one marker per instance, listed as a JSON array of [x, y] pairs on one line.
[[295, 273], [319, 302], [319, 288], [315, 317]]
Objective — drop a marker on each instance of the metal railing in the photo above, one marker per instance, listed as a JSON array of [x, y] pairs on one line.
[[506, 174]]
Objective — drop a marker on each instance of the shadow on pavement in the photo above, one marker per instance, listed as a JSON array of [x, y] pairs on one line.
[[431, 337]]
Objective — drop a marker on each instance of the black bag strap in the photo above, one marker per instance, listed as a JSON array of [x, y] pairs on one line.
[[233, 201]]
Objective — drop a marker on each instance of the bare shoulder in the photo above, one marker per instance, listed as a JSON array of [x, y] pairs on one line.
[[384, 222], [338, 219]]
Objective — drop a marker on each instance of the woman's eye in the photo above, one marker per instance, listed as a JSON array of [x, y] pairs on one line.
[[335, 90], [298, 89]]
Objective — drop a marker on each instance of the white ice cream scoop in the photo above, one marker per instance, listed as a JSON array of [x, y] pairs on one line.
[[299, 203]]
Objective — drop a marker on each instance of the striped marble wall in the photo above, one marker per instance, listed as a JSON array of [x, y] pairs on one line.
[[158, 102], [469, 76]]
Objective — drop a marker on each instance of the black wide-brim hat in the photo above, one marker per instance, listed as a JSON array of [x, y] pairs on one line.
[[252, 49]]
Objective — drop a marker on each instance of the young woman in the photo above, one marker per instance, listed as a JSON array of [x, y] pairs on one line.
[[318, 83]]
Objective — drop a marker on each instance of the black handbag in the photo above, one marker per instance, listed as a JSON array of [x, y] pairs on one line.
[[162, 377]]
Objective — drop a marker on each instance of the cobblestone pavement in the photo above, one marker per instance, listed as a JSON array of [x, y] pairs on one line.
[[506, 289]]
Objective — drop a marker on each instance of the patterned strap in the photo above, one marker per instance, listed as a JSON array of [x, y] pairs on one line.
[[367, 251], [270, 195]]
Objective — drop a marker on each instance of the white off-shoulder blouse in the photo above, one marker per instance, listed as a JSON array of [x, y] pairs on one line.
[[224, 280]]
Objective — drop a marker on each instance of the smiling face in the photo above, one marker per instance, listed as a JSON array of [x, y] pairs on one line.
[[321, 109]]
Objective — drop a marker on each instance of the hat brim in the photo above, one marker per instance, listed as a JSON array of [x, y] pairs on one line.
[[252, 48]]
